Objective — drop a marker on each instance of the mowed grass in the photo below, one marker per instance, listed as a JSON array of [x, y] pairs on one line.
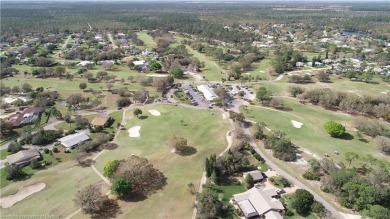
[[204, 131], [62, 183], [211, 71], [312, 135], [148, 40]]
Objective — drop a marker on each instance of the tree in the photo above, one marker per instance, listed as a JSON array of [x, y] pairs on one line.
[[351, 156], [14, 147], [15, 89], [263, 94], [322, 76], [160, 83], [145, 179], [140, 96], [137, 112], [123, 102], [302, 201], [191, 187], [90, 199], [177, 72], [68, 118], [110, 167], [81, 122], [83, 85], [249, 181], [377, 212], [14, 172], [208, 204], [26, 88], [5, 128], [121, 187], [155, 66], [178, 143], [34, 164], [334, 129], [383, 144]]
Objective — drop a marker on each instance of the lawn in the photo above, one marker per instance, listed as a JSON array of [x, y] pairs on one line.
[[68, 126], [311, 135], [148, 40], [288, 199], [203, 130], [212, 71], [228, 191], [3, 154], [62, 183]]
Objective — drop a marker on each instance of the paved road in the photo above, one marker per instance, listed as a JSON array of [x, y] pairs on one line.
[[295, 181]]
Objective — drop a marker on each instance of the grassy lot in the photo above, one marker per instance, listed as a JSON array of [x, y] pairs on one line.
[[3, 154], [148, 40], [182, 97], [68, 126], [211, 71], [312, 135], [62, 183], [54, 160], [204, 131], [228, 191], [288, 199]]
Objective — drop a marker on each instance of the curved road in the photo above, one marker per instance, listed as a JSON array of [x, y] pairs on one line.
[[333, 210]]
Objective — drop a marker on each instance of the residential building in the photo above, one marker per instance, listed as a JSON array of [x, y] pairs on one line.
[[259, 202], [23, 157], [102, 121], [256, 175], [28, 116], [72, 141]]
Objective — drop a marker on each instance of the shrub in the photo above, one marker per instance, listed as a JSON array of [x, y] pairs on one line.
[[46, 151], [383, 144], [121, 187], [123, 102], [34, 164], [334, 129], [56, 150], [309, 175]]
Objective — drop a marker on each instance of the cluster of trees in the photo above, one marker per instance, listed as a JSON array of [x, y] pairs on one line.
[[231, 162], [299, 79], [281, 147], [134, 175], [266, 98], [303, 202], [43, 137], [350, 103], [286, 58], [180, 145]]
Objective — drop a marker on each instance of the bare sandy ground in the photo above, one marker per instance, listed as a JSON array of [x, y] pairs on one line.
[[157, 75], [154, 112], [134, 132], [224, 116], [296, 124], [23, 192]]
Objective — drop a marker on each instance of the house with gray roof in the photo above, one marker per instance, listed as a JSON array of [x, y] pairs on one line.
[[259, 202], [72, 141], [256, 175], [23, 157]]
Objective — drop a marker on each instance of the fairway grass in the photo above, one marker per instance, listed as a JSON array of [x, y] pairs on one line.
[[312, 135], [148, 40], [204, 131], [62, 183]]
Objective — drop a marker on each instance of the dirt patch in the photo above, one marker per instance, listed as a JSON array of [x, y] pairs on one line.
[[224, 116], [134, 132], [23, 192]]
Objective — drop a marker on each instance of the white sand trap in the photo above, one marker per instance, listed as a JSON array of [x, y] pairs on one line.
[[224, 116], [296, 124], [157, 75], [384, 92], [155, 112], [23, 192], [134, 132]]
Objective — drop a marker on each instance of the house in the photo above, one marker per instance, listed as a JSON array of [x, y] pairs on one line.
[[256, 175], [299, 64], [102, 121], [207, 92], [259, 202], [84, 64], [23, 157], [71, 141], [28, 116], [141, 65]]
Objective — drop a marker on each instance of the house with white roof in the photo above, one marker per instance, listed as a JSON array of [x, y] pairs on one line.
[[71, 141], [207, 92], [259, 202]]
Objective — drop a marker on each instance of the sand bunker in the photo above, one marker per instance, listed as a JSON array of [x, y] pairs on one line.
[[154, 112], [134, 132], [157, 75], [224, 116], [22, 193], [296, 124]]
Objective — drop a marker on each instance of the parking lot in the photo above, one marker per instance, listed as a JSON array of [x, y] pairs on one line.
[[195, 96]]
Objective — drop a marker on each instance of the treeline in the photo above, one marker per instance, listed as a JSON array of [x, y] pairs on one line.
[[334, 100]]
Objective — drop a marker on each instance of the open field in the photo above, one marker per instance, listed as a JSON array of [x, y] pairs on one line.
[[204, 131], [374, 89], [311, 135], [62, 183], [211, 71], [148, 40]]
